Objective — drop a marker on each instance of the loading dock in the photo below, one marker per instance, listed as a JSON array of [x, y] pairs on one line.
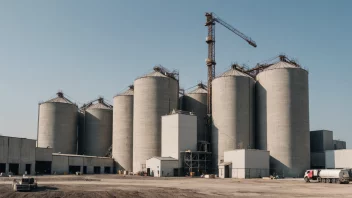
[[14, 168]]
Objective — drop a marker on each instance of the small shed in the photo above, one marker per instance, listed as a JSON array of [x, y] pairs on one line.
[[162, 167]]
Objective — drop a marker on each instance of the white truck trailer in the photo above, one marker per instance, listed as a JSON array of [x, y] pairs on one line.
[[328, 176]]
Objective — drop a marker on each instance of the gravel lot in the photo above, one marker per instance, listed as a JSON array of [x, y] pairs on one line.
[[137, 186]]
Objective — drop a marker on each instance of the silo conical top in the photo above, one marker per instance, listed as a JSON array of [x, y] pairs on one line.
[[235, 70], [60, 98], [201, 88]]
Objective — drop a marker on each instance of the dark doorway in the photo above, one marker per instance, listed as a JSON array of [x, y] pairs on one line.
[[227, 171], [2, 168], [148, 171], [107, 169], [28, 168], [84, 169], [43, 167], [74, 169], [96, 169], [13, 168], [175, 172]]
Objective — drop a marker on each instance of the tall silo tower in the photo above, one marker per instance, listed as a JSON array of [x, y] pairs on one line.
[[232, 113], [196, 101], [155, 95], [122, 137], [57, 125], [97, 135], [283, 117]]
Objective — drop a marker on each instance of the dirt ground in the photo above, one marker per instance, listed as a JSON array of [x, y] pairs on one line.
[[105, 186]]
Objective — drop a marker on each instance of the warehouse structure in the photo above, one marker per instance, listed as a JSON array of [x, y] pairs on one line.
[[339, 159], [21, 156]]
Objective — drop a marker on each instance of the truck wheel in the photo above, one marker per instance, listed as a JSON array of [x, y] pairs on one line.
[[337, 181], [306, 179], [333, 181], [323, 180], [327, 180], [319, 179]]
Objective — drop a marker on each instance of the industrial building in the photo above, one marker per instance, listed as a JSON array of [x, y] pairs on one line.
[[245, 163], [321, 141], [339, 159], [256, 114], [21, 156], [162, 167]]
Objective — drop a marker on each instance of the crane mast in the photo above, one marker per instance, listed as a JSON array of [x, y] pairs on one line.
[[210, 40]]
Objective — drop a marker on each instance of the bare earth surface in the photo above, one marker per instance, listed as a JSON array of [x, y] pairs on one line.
[[136, 186]]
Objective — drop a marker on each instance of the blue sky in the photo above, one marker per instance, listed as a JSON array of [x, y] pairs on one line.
[[97, 48]]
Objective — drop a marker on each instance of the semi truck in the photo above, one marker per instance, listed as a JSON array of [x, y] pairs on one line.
[[339, 176]]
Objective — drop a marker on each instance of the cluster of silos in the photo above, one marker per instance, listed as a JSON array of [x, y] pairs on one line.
[[232, 113], [282, 103], [196, 101], [155, 95], [95, 138], [57, 125], [122, 138]]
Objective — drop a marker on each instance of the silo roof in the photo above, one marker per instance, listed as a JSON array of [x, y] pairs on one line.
[[159, 71], [234, 71], [60, 99], [128, 92], [281, 65], [199, 90], [99, 106]]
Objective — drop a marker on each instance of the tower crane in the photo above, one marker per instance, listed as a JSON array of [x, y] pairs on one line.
[[210, 40]]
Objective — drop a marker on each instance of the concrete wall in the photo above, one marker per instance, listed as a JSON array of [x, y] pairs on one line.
[[19, 151], [161, 168], [61, 163], [321, 141], [338, 158], [44, 154], [179, 133], [317, 159]]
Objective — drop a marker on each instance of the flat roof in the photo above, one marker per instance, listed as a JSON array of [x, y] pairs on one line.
[[73, 155], [164, 158], [17, 137]]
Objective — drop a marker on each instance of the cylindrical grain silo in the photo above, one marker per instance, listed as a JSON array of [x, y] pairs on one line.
[[155, 95], [122, 137], [232, 113], [57, 125], [196, 102], [97, 135], [283, 117]]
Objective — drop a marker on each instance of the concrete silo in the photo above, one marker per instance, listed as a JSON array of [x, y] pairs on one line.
[[122, 137], [155, 95], [57, 125], [232, 113], [97, 135], [283, 117], [196, 102]]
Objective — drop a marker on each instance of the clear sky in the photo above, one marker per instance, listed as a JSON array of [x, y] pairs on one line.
[[97, 48]]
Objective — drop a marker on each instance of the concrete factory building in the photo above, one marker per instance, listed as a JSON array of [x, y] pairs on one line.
[[19, 156], [245, 163]]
